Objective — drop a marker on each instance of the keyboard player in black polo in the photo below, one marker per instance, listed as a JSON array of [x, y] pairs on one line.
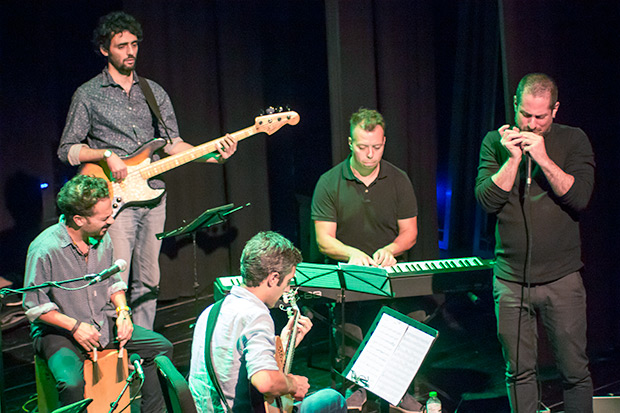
[[364, 209]]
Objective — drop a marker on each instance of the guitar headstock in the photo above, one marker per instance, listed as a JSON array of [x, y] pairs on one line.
[[275, 119], [290, 299]]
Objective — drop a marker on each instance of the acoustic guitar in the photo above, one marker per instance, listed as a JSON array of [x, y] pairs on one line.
[[135, 190], [284, 358]]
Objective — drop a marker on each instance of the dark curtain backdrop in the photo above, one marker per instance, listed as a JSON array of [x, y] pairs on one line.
[[208, 57], [222, 63], [577, 44], [381, 56], [45, 54], [473, 98], [442, 73]]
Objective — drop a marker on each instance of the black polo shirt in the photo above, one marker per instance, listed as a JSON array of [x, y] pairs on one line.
[[366, 217]]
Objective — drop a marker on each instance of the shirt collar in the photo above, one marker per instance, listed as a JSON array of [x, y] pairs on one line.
[[65, 238], [108, 81], [347, 173]]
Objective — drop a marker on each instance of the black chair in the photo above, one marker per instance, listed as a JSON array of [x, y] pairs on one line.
[[175, 388]]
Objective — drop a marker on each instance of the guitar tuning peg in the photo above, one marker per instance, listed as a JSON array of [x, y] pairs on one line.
[[270, 110], [261, 113], [280, 109], [288, 108]]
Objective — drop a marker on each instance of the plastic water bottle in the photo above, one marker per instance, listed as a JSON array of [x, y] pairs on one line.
[[433, 404]]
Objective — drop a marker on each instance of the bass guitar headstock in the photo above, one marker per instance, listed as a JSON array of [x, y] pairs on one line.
[[274, 119]]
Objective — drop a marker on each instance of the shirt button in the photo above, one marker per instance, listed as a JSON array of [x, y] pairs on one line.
[[366, 190]]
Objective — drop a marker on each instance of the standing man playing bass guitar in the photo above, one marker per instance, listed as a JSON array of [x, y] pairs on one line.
[[111, 117], [242, 346]]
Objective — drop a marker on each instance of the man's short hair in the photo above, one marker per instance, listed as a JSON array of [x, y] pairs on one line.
[[80, 194], [267, 252], [367, 119], [537, 84], [110, 25]]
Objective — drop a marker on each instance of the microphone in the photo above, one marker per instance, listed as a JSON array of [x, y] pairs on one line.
[[135, 361], [119, 265], [528, 180]]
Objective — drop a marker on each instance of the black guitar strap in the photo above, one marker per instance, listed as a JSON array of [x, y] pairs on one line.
[[150, 99], [211, 320]]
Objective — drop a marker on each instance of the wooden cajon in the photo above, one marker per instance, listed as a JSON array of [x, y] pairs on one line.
[[104, 380]]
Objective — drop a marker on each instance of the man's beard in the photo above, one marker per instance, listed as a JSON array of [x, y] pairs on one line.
[[124, 69]]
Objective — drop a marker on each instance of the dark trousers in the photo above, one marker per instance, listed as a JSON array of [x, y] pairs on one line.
[[561, 305], [65, 359]]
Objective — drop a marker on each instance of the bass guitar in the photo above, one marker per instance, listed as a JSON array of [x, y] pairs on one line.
[[135, 190]]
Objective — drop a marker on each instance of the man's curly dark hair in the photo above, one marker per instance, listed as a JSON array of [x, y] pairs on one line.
[[112, 24], [80, 194]]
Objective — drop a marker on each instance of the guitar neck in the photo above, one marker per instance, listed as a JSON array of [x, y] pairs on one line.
[[171, 162], [290, 346]]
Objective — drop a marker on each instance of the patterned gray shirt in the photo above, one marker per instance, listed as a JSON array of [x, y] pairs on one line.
[[53, 256], [103, 116]]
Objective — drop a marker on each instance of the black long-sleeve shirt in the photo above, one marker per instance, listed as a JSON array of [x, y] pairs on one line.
[[556, 244]]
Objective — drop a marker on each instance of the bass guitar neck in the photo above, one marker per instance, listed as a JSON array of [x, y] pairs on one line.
[[135, 190]]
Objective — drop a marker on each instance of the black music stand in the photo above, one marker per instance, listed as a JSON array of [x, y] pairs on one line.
[[343, 277], [205, 220]]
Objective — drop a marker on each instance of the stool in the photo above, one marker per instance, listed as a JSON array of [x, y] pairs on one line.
[[104, 378]]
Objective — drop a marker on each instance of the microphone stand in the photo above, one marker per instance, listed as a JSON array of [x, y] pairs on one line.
[[13, 291], [129, 379]]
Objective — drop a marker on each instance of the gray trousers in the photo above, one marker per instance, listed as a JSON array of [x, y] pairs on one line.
[[134, 240], [561, 306]]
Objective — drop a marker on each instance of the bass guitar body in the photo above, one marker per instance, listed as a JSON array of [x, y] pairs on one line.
[[133, 190]]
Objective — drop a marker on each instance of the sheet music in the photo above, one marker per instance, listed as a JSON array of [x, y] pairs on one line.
[[391, 358]]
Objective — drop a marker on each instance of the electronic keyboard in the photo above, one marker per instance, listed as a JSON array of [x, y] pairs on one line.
[[408, 279]]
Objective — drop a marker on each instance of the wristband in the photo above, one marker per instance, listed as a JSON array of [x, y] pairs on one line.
[[75, 327], [123, 308]]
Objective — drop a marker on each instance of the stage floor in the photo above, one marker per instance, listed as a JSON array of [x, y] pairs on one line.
[[464, 366]]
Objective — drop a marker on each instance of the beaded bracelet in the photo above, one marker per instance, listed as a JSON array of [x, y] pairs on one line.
[[75, 327]]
